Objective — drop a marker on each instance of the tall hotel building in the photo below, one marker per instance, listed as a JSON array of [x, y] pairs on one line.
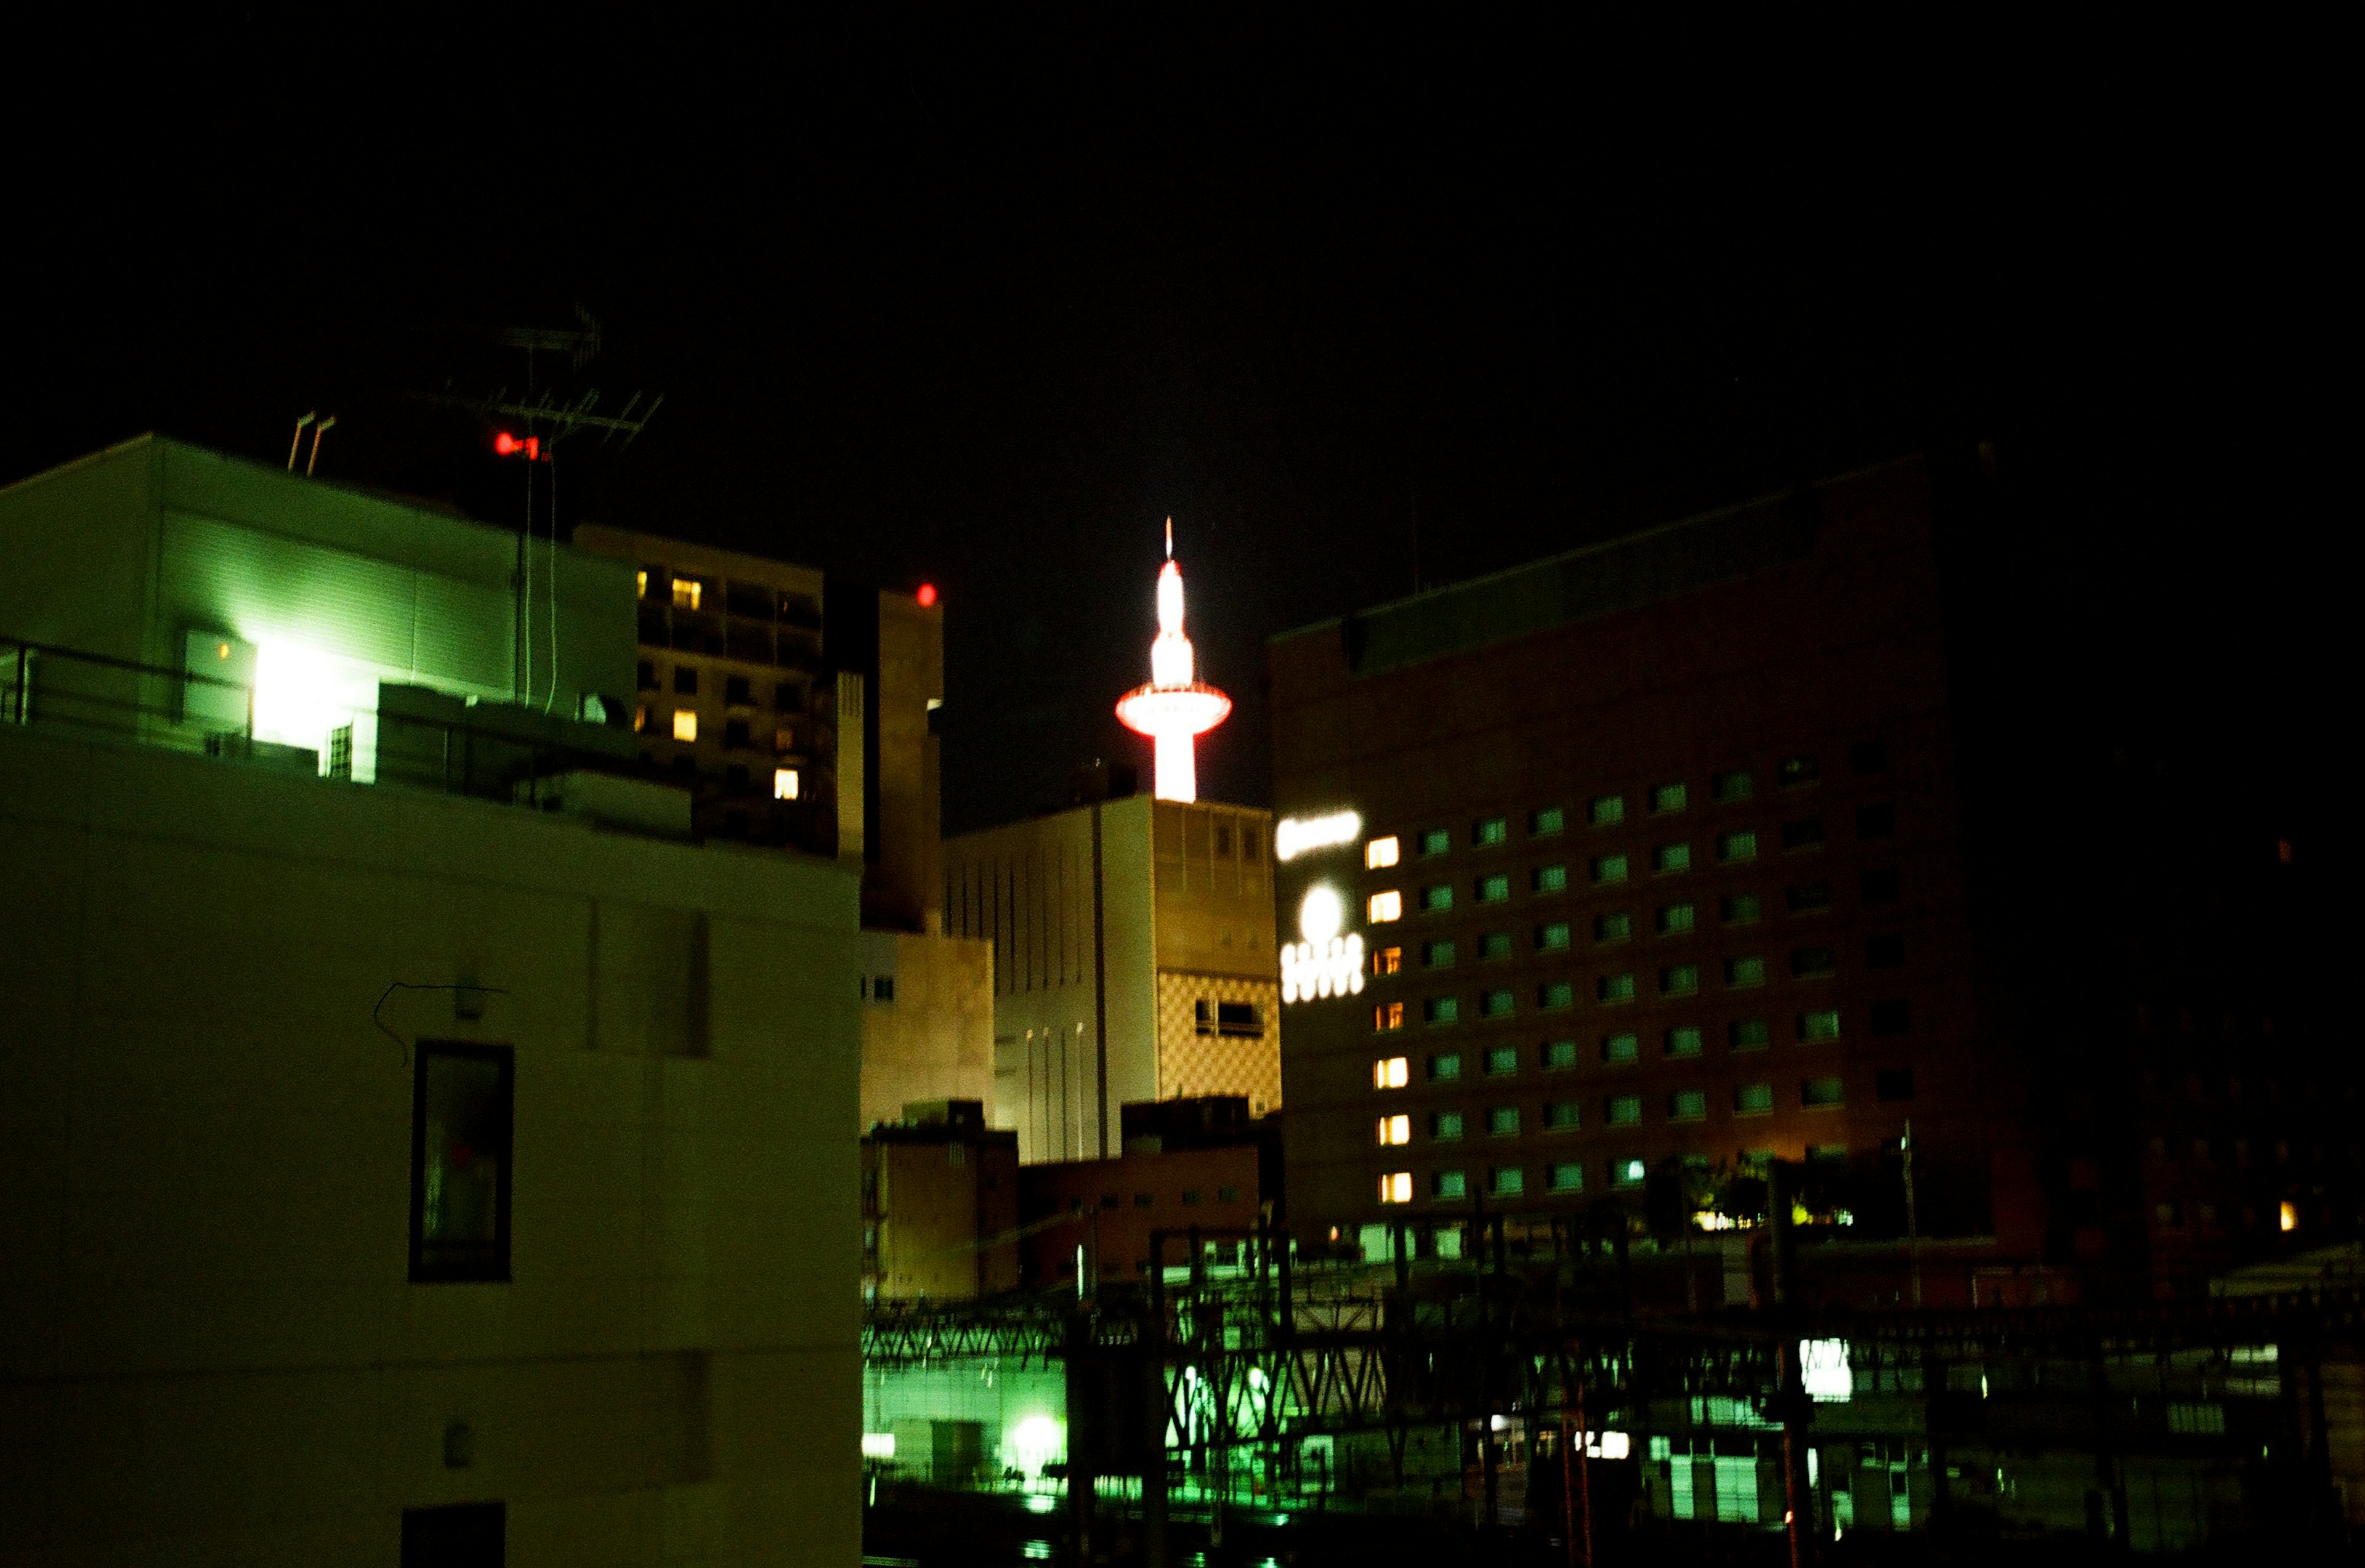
[[1719, 841]]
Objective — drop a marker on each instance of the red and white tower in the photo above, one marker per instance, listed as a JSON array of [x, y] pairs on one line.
[[1175, 709]]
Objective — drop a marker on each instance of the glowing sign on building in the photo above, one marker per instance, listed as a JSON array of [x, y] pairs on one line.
[[1293, 836], [1325, 963], [1176, 708]]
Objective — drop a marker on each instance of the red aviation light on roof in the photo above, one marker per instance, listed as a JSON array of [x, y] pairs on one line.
[[507, 445], [927, 594]]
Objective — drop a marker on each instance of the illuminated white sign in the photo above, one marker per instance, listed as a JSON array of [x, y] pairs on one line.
[[1292, 836], [1823, 1368], [1325, 963]]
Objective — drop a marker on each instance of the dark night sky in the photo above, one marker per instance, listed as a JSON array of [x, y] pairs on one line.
[[983, 309]]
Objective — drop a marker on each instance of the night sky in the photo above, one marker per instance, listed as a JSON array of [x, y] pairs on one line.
[[1358, 302]]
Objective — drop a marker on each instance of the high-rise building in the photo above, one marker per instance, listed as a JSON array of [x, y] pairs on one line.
[[416, 1140], [939, 1206], [1670, 856], [802, 712]]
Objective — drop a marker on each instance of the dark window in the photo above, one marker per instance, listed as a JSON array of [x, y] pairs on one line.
[[1750, 1035], [1878, 887], [1612, 927], [1608, 868], [1493, 889], [1223, 838], [1739, 909], [646, 677], [1619, 1047], [1885, 952], [1108, 1200], [1555, 935], [788, 698], [462, 1117], [738, 692], [466, 1535], [735, 734], [1679, 980], [1560, 1054], [1546, 821], [1436, 841], [1493, 830], [1684, 1040], [1549, 879], [1227, 1195], [1204, 1019], [1889, 1018], [735, 775], [1731, 786], [685, 680], [1805, 834], [1142, 1200], [1190, 1197], [1240, 1020], [1875, 822], [1798, 771], [1440, 1010], [1805, 897], [1813, 1092], [1892, 1083], [1495, 1005], [1555, 993], [1493, 945], [1807, 962], [882, 988], [1869, 756], [1437, 955]]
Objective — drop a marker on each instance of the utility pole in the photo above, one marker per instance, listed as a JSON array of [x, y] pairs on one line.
[[1912, 1221]]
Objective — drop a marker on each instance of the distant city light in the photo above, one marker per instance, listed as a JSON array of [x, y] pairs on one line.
[[1325, 964], [1292, 836], [1823, 1368], [878, 1445], [2288, 1218], [927, 594]]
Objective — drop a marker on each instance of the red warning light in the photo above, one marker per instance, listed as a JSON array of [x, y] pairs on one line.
[[927, 594], [507, 445]]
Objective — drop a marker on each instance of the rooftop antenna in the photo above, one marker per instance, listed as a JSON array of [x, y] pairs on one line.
[[543, 421], [1170, 539], [323, 428], [297, 441]]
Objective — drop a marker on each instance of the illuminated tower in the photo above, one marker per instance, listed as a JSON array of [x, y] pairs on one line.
[[1174, 709]]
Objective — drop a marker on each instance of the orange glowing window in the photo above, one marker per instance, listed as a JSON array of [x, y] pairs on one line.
[[1387, 1015], [1386, 906], [1395, 1129], [1391, 1072], [686, 593], [784, 784], [2289, 1218], [685, 723], [1380, 853], [1395, 1187], [1386, 960]]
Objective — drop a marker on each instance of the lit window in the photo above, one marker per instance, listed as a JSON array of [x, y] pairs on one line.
[[1684, 1040], [1670, 858], [1545, 821], [1626, 1172], [1440, 1011], [1437, 955], [1494, 889], [1821, 1026], [1754, 1100], [1554, 994], [1675, 917], [1387, 1015], [1614, 988], [1444, 1069], [2287, 1217], [1732, 786], [1744, 972], [1502, 1062], [685, 723], [1503, 1121], [1624, 1110], [1798, 771], [686, 593], [1568, 1176], [784, 740], [1821, 1092], [1553, 937], [1608, 868], [784, 784], [1395, 1129], [1679, 980], [1621, 1049], [1550, 878], [1751, 1034], [1396, 1187], [1436, 841], [1493, 945], [640, 718], [1741, 909], [1560, 1054], [641, 584], [1449, 1184], [1386, 960], [1668, 797], [1687, 1105], [1495, 1005], [1380, 853], [1385, 906], [1741, 846], [1391, 1072], [1507, 1182], [1493, 830], [1445, 1126], [1560, 1114], [1606, 809]]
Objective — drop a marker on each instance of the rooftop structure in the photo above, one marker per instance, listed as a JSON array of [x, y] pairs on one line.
[[1176, 708]]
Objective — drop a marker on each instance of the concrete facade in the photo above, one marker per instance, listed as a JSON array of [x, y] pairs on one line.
[[939, 1206], [213, 1351], [1112, 924]]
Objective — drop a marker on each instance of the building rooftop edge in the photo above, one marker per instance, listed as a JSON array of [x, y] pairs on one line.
[[1602, 546], [401, 499]]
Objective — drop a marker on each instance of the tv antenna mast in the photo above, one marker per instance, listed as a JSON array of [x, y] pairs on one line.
[[542, 420]]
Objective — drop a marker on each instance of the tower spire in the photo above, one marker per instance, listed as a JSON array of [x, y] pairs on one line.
[[1170, 539], [1176, 706]]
